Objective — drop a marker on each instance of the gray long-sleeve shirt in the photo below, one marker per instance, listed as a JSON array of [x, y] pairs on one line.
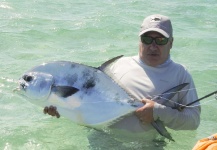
[[144, 81]]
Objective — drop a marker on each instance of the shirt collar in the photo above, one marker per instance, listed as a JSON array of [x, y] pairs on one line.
[[168, 61]]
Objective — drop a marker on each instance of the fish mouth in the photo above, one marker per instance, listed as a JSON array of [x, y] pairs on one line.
[[22, 86], [19, 90]]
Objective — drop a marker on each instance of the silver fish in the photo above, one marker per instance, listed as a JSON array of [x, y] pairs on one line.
[[88, 96]]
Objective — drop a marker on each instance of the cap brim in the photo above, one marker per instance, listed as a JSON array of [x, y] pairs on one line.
[[156, 30]]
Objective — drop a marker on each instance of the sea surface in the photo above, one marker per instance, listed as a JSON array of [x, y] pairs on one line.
[[91, 32]]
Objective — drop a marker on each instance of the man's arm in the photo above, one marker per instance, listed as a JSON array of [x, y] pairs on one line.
[[187, 119]]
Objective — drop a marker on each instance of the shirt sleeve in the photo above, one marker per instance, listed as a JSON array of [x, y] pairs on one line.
[[188, 118]]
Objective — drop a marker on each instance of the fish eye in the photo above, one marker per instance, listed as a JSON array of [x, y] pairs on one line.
[[28, 78]]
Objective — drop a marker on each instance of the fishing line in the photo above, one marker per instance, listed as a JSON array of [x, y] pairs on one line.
[[181, 106], [176, 103], [202, 103], [155, 96], [202, 87]]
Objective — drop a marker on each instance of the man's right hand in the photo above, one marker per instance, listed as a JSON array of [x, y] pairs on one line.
[[51, 110]]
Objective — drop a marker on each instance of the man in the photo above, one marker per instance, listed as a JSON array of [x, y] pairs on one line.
[[151, 73]]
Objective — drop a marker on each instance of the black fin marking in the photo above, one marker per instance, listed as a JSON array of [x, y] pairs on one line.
[[65, 91], [89, 83]]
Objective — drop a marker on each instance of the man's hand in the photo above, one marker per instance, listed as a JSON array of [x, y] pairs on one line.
[[51, 110], [145, 113]]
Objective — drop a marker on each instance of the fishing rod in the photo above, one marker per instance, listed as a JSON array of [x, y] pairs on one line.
[[180, 108]]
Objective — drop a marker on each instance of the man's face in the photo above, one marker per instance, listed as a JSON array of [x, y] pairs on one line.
[[153, 54]]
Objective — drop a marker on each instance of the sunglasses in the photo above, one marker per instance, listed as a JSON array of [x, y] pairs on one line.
[[158, 40]]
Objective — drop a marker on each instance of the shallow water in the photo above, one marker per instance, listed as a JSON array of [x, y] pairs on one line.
[[91, 32]]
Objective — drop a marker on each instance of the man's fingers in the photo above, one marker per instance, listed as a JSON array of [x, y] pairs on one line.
[[144, 101], [51, 110], [45, 110], [57, 115]]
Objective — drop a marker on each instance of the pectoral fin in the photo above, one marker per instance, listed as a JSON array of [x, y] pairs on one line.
[[65, 91]]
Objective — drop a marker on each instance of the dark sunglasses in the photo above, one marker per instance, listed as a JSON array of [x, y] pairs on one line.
[[158, 40]]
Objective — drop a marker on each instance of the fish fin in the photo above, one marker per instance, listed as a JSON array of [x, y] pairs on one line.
[[65, 91], [105, 69], [173, 91], [159, 126], [105, 65]]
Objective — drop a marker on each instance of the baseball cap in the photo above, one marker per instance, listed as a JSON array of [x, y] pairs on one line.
[[158, 23]]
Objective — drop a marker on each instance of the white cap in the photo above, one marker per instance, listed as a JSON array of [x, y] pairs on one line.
[[158, 23]]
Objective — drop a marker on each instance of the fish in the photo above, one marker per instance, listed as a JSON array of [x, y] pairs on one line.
[[89, 96]]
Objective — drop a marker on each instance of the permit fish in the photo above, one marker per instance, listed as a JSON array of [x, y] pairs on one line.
[[87, 95]]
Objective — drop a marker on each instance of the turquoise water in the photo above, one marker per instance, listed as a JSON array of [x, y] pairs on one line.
[[91, 32]]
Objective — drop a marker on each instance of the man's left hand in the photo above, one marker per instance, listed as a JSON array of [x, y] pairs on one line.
[[145, 113], [51, 110]]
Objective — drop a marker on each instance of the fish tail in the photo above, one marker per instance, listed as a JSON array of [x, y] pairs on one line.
[[159, 126]]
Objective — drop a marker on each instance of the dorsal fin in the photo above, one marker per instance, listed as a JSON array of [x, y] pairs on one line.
[[104, 66]]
